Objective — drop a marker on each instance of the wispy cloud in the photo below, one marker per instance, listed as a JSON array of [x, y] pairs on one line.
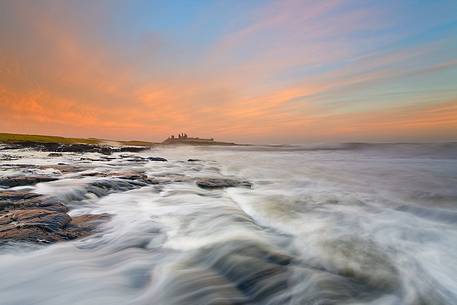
[[284, 71]]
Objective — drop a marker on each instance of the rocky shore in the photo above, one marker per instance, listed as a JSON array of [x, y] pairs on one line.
[[28, 216], [76, 148]]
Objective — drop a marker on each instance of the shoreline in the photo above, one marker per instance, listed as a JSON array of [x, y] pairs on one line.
[[63, 144]]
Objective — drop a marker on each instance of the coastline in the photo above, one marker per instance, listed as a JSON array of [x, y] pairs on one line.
[[64, 144]]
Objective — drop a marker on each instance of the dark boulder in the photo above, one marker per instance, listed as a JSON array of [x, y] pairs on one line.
[[55, 155], [85, 225], [6, 157], [193, 160], [217, 183], [157, 159], [24, 180], [60, 147], [33, 217], [18, 200], [33, 225], [37, 202], [132, 149], [64, 168], [16, 195]]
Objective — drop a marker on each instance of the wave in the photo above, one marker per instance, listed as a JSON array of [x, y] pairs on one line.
[[322, 224]]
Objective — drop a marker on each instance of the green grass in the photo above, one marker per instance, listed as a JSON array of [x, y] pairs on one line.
[[14, 138], [11, 138]]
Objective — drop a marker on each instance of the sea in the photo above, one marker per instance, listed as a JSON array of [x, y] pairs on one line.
[[322, 224]]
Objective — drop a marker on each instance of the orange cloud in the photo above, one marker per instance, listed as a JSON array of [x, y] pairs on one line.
[[57, 77]]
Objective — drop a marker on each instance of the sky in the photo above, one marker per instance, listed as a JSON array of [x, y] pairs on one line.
[[244, 71]]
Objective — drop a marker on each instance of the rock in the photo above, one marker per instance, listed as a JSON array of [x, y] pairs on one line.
[[16, 195], [60, 147], [193, 160], [14, 200], [92, 159], [76, 147], [89, 219], [55, 155], [24, 180], [94, 174], [64, 168], [84, 225], [32, 217], [37, 225], [37, 202], [132, 149], [33, 225], [217, 183], [134, 158], [6, 157], [157, 159], [132, 175]]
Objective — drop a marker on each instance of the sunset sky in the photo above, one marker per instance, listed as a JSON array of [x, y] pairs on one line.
[[244, 71]]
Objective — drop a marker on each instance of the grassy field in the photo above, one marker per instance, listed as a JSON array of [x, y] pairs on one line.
[[11, 137]]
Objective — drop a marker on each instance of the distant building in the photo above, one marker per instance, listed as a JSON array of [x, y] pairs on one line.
[[184, 138]]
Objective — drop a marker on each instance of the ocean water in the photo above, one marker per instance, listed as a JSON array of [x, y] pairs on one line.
[[322, 224]]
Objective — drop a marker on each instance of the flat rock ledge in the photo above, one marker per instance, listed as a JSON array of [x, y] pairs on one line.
[[218, 183], [35, 218], [24, 180]]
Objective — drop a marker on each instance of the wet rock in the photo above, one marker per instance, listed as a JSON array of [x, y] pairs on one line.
[[33, 217], [132, 149], [37, 225], [130, 175], [88, 220], [103, 187], [134, 158], [84, 225], [60, 147], [157, 159], [75, 148], [24, 180], [13, 200], [82, 148], [126, 156], [63, 167], [101, 159], [33, 225], [50, 204], [16, 195], [193, 160], [217, 183], [94, 174], [18, 166], [6, 157], [139, 158], [55, 155], [259, 273]]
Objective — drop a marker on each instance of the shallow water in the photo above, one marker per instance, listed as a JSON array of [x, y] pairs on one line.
[[342, 224]]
